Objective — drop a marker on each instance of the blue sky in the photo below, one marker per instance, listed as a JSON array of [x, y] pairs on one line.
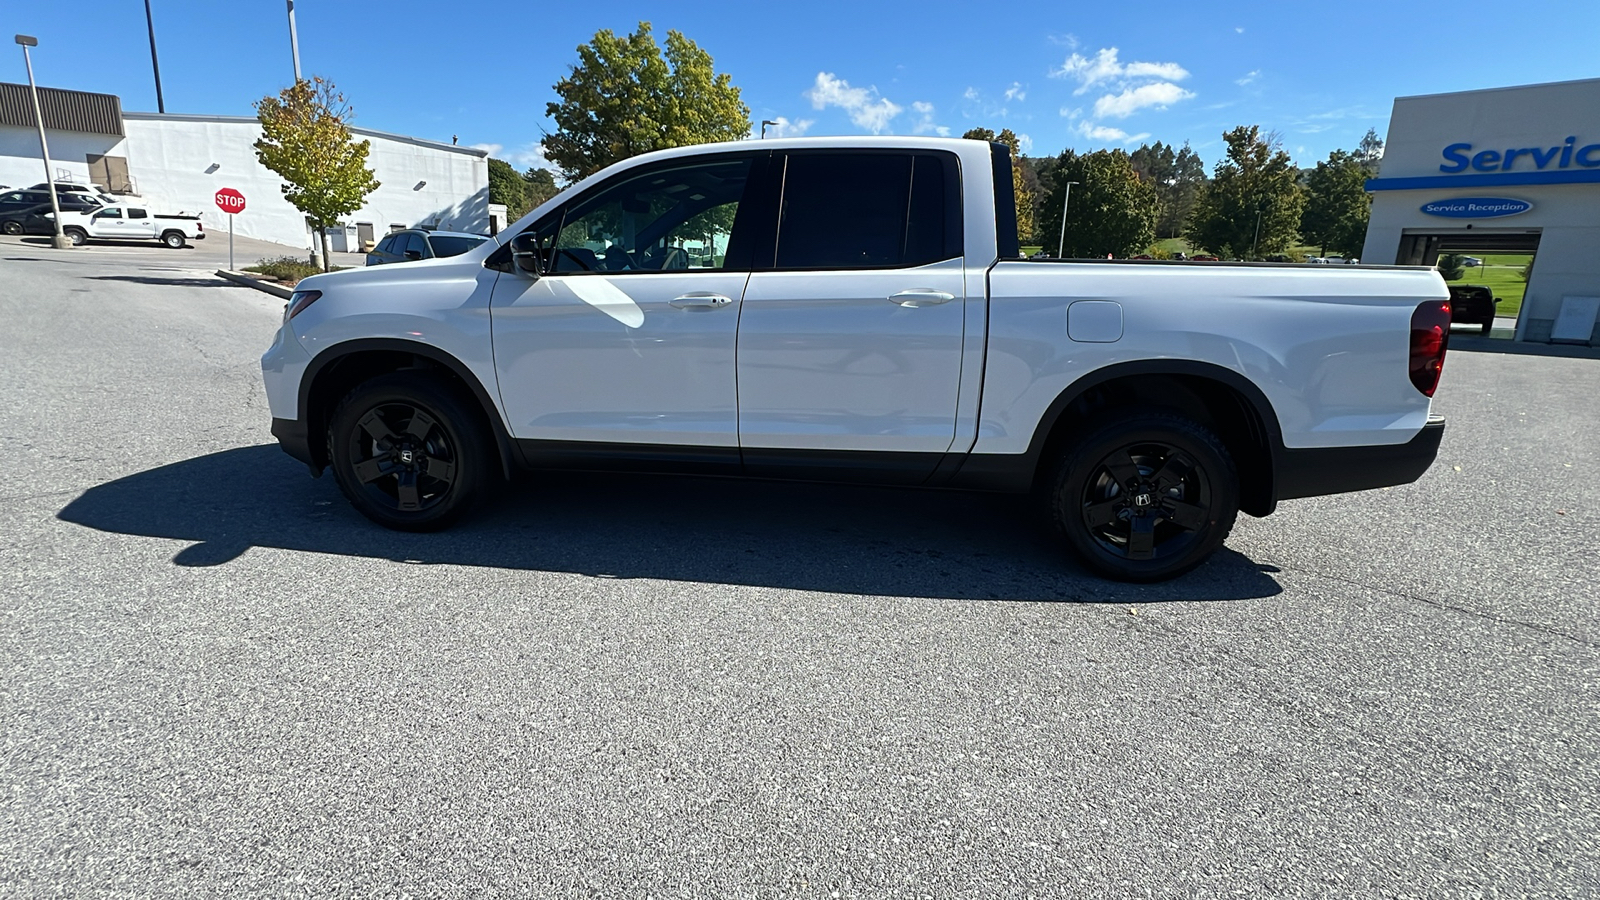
[[1069, 75]]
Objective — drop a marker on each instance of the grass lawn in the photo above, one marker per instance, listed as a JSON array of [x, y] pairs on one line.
[[1501, 273]]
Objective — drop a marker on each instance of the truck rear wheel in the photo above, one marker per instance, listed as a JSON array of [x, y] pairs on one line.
[[1145, 496], [409, 453], [173, 239]]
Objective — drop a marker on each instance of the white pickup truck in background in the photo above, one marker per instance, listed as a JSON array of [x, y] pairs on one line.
[[857, 309], [131, 223]]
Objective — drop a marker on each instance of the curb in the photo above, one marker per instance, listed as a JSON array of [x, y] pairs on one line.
[[276, 290]]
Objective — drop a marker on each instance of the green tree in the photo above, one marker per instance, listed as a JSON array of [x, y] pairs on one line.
[[1370, 152], [508, 188], [1452, 266], [1113, 210], [1020, 187], [1252, 205], [1177, 175], [306, 141], [624, 98], [540, 186], [1337, 205]]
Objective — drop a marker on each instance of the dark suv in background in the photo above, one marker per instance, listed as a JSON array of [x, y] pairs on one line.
[[1473, 304], [18, 201], [414, 244]]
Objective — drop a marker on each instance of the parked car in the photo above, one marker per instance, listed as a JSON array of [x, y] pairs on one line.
[[131, 223], [890, 333], [1471, 262], [415, 243], [1473, 304], [17, 201], [37, 219]]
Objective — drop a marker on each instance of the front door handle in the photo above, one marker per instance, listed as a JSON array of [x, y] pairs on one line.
[[701, 300], [919, 297]]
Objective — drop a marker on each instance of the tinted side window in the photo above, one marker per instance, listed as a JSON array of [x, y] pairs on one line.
[[866, 210], [109, 213], [385, 246], [136, 213]]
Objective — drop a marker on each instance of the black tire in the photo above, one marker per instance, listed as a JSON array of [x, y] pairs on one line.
[[173, 239], [12, 228], [1145, 496], [1487, 327], [402, 472], [77, 236]]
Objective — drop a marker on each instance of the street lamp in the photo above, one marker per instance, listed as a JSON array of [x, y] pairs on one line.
[[764, 124], [1062, 246], [60, 241], [294, 43]]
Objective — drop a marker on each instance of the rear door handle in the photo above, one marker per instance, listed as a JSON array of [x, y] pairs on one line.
[[701, 300], [918, 297]]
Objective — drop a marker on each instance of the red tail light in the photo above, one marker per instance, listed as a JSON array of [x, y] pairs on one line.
[[1430, 336]]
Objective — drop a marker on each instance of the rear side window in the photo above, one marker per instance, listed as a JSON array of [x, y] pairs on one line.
[[867, 210], [136, 213], [385, 246], [450, 245]]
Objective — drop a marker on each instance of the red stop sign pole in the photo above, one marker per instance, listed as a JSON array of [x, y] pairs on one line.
[[230, 201]]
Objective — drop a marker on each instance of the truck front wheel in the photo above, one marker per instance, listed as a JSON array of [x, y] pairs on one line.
[[409, 453], [173, 239], [77, 236], [1145, 496]]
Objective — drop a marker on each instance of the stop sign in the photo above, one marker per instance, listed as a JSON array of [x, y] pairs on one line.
[[230, 201]]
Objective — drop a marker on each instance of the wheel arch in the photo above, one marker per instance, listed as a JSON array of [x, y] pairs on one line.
[[336, 370], [1217, 397]]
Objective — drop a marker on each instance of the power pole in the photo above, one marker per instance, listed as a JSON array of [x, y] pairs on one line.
[[60, 241], [150, 23], [1062, 246], [294, 42]]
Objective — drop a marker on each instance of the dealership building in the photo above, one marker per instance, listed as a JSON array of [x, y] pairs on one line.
[[176, 163], [1511, 170]]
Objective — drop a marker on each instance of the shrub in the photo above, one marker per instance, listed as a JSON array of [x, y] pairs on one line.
[[287, 269], [1452, 267]]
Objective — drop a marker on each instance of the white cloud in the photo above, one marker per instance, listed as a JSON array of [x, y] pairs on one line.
[[530, 156], [866, 108], [1249, 78], [1239, 30], [925, 124], [1024, 143], [1071, 112], [783, 126], [491, 149], [1069, 41], [1016, 92], [1107, 134], [1160, 95], [970, 93], [1104, 68]]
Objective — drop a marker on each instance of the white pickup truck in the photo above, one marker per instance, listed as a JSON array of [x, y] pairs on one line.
[[131, 223], [857, 309]]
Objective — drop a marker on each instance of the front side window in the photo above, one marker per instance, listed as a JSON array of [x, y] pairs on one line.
[[664, 220], [866, 210], [111, 213]]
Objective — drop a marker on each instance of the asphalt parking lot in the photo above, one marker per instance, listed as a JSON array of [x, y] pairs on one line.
[[216, 679]]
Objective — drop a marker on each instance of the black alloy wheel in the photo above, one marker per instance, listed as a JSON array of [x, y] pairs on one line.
[[408, 453], [12, 227], [1146, 497]]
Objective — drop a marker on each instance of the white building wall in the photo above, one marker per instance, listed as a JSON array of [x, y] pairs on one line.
[[19, 154], [178, 162]]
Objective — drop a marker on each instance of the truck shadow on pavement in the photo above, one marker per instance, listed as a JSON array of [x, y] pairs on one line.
[[832, 538]]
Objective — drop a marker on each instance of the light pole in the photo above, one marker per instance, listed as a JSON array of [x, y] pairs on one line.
[[1062, 246], [60, 241], [150, 23], [764, 124], [294, 43]]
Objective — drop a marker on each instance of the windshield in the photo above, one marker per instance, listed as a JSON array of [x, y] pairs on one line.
[[449, 245]]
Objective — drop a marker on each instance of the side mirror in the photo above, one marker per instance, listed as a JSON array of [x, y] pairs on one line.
[[525, 254], [413, 254]]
